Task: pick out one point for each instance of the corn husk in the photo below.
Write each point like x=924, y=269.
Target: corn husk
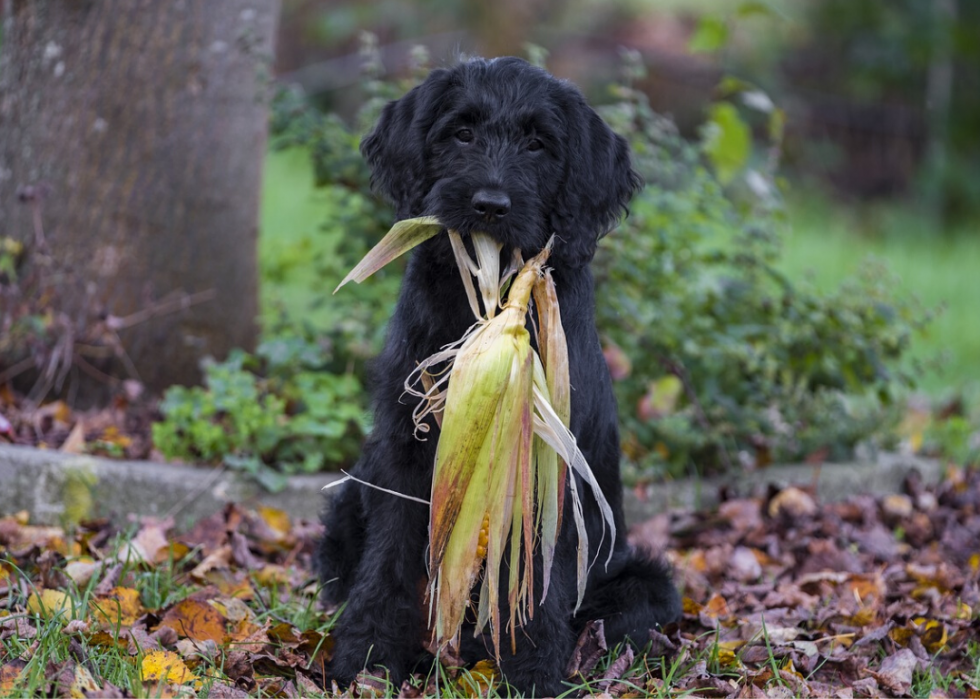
x=504, y=447
x=402, y=237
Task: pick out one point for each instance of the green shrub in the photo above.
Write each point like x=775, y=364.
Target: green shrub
x=723, y=359
x=720, y=361
x=269, y=415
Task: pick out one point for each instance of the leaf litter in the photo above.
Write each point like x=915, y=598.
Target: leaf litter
x=866, y=597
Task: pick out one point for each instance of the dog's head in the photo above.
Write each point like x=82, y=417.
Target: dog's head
x=503, y=147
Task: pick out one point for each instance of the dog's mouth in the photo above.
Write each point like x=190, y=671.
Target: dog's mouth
x=506, y=217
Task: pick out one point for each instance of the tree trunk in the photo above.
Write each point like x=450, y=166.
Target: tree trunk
x=143, y=123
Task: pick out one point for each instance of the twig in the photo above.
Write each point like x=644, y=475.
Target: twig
x=92, y=370
x=196, y=493
x=160, y=308
x=16, y=370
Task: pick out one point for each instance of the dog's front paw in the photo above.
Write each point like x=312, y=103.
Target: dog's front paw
x=343, y=670
x=371, y=666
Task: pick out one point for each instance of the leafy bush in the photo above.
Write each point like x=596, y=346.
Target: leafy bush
x=353, y=322
x=275, y=413
x=720, y=358
x=720, y=361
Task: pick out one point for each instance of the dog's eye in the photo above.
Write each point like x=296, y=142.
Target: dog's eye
x=535, y=144
x=464, y=136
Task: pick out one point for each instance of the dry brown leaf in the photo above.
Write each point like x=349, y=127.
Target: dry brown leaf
x=150, y=544
x=744, y=566
x=139, y=640
x=589, y=648
x=223, y=690
x=218, y=559
x=10, y=674
x=120, y=608
x=17, y=627
x=76, y=626
x=277, y=520
x=285, y=634
x=75, y=443
x=196, y=620
x=105, y=639
x=238, y=665
x=239, y=624
x=792, y=502
x=272, y=575
x=82, y=571
x=716, y=608
x=318, y=647
x=231, y=583
x=895, y=673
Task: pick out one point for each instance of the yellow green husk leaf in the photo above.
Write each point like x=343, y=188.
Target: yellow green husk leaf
x=402, y=237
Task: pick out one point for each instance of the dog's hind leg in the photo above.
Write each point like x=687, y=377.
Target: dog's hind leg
x=639, y=597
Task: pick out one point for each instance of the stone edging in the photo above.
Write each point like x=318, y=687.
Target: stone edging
x=45, y=483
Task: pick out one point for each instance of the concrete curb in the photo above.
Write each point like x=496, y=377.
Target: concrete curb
x=53, y=486
x=834, y=482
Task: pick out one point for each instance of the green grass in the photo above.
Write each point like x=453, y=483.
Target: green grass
x=291, y=235
x=940, y=268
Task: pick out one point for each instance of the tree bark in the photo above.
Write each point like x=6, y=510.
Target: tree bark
x=144, y=124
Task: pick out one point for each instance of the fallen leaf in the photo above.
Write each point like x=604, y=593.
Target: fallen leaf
x=195, y=620
x=76, y=626
x=150, y=544
x=120, y=608
x=272, y=575
x=743, y=565
x=480, y=680
x=617, y=668
x=277, y=520
x=50, y=604
x=75, y=443
x=189, y=649
x=83, y=684
x=139, y=639
x=222, y=690
x=589, y=648
x=10, y=674
x=218, y=559
x=18, y=627
x=792, y=502
x=895, y=673
x=231, y=583
x=166, y=666
x=82, y=571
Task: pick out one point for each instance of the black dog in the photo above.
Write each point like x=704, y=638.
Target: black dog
x=502, y=147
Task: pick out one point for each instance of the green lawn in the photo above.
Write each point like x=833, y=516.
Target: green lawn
x=941, y=269
x=824, y=239
x=292, y=238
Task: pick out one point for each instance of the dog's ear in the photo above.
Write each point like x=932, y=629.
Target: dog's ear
x=395, y=147
x=599, y=183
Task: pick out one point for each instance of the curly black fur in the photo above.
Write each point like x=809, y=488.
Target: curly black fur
x=502, y=147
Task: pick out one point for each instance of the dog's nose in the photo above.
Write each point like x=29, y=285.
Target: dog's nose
x=491, y=204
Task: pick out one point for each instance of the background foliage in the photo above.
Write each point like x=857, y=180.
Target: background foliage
x=720, y=360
